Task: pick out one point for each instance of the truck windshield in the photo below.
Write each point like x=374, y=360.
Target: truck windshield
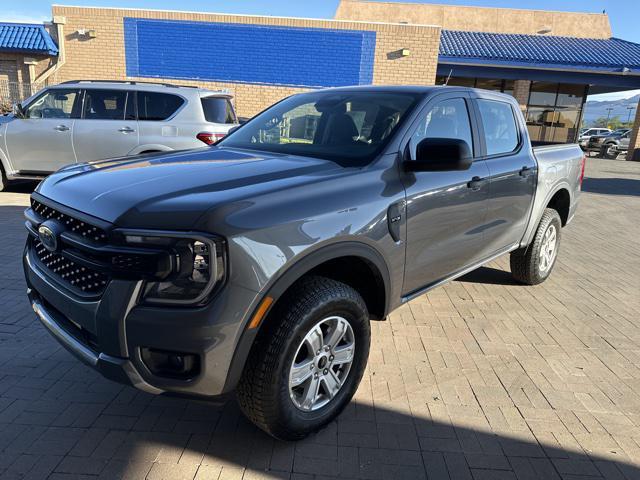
x=350, y=128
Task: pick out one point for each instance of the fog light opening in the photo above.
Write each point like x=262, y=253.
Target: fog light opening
x=165, y=363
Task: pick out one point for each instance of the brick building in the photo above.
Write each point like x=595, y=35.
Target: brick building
x=549, y=61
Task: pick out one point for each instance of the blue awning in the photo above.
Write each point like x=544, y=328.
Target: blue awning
x=611, y=55
x=27, y=38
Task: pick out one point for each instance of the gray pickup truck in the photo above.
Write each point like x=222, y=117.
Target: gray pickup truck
x=257, y=264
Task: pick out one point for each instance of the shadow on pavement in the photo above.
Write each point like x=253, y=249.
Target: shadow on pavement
x=489, y=275
x=612, y=186
x=193, y=438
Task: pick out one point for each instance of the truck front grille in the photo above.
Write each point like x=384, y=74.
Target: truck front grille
x=79, y=227
x=75, y=276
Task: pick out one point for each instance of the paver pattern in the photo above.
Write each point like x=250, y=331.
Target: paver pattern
x=482, y=379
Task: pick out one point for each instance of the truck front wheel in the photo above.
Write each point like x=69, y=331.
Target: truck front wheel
x=533, y=264
x=308, y=359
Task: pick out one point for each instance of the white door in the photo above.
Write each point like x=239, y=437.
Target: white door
x=108, y=127
x=41, y=141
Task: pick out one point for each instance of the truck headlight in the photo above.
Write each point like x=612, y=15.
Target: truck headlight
x=198, y=267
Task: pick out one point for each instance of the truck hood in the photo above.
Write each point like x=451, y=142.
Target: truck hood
x=172, y=191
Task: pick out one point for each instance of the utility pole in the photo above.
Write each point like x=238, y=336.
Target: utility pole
x=608, y=115
x=630, y=108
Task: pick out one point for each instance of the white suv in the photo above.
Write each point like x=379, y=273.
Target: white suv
x=82, y=121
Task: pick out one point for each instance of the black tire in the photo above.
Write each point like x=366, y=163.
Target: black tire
x=3, y=179
x=526, y=264
x=263, y=392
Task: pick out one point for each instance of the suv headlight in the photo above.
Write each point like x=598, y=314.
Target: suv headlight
x=198, y=266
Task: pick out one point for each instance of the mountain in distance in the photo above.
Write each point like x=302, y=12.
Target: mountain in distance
x=594, y=110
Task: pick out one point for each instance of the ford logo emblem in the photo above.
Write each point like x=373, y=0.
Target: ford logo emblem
x=48, y=237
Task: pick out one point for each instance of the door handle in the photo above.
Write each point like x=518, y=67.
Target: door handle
x=61, y=128
x=525, y=171
x=126, y=130
x=476, y=183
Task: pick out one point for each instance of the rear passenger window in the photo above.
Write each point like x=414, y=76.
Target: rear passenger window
x=218, y=110
x=104, y=104
x=500, y=131
x=447, y=119
x=157, y=106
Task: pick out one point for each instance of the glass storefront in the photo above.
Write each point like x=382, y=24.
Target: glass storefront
x=553, y=111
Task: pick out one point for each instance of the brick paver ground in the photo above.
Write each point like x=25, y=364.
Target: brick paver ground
x=480, y=379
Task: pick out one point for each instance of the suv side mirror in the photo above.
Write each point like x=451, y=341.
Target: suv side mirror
x=242, y=120
x=18, y=110
x=440, y=155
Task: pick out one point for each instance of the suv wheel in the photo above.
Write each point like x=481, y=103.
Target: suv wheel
x=3, y=179
x=533, y=264
x=308, y=360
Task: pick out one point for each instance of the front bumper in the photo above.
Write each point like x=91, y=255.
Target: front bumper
x=109, y=332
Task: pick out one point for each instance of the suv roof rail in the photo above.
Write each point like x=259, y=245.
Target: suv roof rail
x=128, y=82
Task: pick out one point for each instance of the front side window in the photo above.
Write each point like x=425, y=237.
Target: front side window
x=500, y=130
x=157, y=106
x=447, y=119
x=347, y=127
x=218, y=110
x=104, y=104
x=56, y=103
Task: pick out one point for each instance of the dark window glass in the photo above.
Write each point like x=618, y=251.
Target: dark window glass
x=543, y=93
x=55, y=103
x=447, y=119
x=218, y=110
x=157, y=106
x=570, y=95
x=349, y=128
x=104, y=104
x=130, y=109
x=500, y=130
x=489, y=84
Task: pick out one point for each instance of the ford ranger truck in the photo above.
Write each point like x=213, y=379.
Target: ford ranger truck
x=257, y=264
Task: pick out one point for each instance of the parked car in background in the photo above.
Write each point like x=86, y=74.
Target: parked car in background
x=96, y=120
x=605, y=144
x=583, y=139
x=623, y=145
x=259, y=263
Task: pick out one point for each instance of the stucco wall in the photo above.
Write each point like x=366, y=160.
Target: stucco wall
x=104, y=57
x=479, y=19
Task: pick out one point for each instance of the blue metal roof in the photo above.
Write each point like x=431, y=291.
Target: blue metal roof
x=568, y=53
x=26, y=37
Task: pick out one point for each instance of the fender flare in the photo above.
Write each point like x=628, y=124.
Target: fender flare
x=153, y=146
x=531, y=228
x=276, y=288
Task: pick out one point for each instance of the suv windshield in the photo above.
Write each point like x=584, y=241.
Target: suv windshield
x=349, y=128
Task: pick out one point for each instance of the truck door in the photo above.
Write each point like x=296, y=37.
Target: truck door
x=445, y=210
x=512, y=169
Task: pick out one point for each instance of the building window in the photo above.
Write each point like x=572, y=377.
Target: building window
x=505, y=86
x=554, y=111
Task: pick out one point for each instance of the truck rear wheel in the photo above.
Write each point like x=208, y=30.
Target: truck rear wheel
x=533, y=264
x=308, y=360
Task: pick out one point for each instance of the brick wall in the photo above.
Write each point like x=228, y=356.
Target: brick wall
x=479, y=19
x=103, y=57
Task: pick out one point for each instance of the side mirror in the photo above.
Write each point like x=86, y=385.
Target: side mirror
x=18, y=110
x=242, y=120
x=233, y=129
x=440, y=155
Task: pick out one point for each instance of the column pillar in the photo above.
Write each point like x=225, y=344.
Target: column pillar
x=634, y=139
x=521, y=93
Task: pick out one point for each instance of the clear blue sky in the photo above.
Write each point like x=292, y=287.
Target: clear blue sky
x=623, y=14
